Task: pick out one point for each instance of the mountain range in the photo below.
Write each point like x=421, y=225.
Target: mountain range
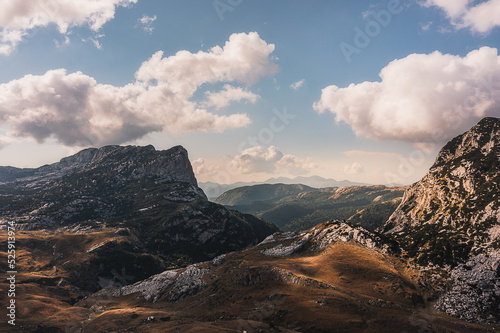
x=214, y=190
x=298, y=207
x=114, y=240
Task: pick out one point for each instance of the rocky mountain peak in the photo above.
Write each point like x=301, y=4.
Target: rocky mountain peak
x=96, y=183
x=461, y=190
x=483, y=138
x=131, y=161
x=123, y=163
x=450, y=221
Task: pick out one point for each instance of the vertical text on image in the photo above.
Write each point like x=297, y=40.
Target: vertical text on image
x=11, y=273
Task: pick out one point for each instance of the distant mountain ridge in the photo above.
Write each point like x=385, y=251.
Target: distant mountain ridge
x=248, y=195
x=214, y=190
x=314, y=181
x=296, y=207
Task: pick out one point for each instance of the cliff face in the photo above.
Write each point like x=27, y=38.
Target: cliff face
x=451, y=219
x=95, y=184
x=149, y=197
x=125, y=163
x=462, y=187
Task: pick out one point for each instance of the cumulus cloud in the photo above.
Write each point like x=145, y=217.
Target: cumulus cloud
x=270, y=160
x=295, y=165
x=257, y=159
x=297, y=85
x=229, y=94
x=354, y=169
x=76, y=110
x=244, y=58
x=18, y=17
x=480, y=17
x=201, y=167
x=420, y=98
x=147, y=23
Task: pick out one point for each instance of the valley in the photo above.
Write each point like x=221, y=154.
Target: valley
x=299, y=207
x=122, y=239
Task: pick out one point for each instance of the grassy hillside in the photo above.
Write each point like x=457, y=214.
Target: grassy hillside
x=260, y=194
x=345, y=287
x=299, y=207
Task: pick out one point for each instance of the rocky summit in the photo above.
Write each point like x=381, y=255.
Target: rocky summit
x=450, y=220
x=127, y=211
x=95, y=184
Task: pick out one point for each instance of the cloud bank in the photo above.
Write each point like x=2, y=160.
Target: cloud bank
x=420, y=98
x=270, y=160
x=75, y=110
x=18, y=17
x=481, y=17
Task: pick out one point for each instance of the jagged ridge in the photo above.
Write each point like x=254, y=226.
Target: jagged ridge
x=451, y=219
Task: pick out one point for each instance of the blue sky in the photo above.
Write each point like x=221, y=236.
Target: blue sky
x=294, y=90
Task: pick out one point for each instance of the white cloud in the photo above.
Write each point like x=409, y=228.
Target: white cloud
x=229, y=94
x=425, y=147
x=201, y=167
x=295, y=165
x=481, y=17
x=453, y=8
x=354, y=169
x=59, y=44
x=76, y=110
x=425, y=26
x=147, y=23
x=270, y=160
x=4, y=141
x=244, y=58
x=18, y=17
x=420, y=98
x=257, y=159
x=297, y=85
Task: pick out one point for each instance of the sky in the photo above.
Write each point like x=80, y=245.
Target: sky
x=367, y=91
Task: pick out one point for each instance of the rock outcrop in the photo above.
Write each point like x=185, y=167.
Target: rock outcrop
x=95, y=184
x=323, y=235
x=451, y=219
